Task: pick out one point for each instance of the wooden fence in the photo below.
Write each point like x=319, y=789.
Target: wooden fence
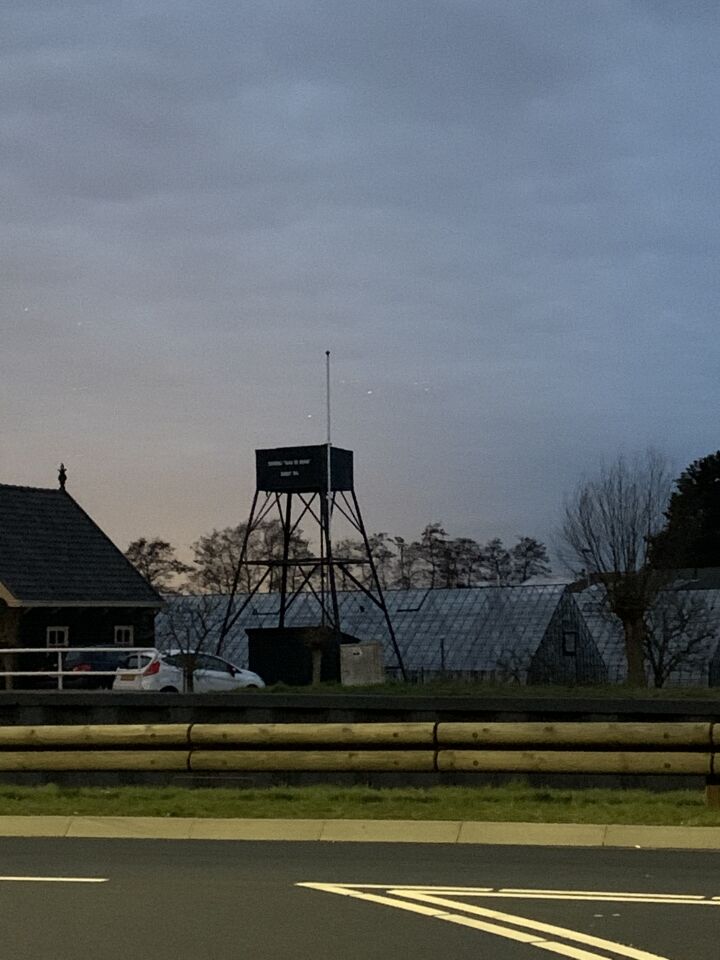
x=547, y=748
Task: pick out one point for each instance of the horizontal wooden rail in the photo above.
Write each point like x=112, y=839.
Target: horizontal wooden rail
x=480, y=761
x=277, y=760
x=571, y=761
x=94, y=760
x=467, y=736
x=486, y=736
x=96, y=735
x=332, y=734
x=595, y=734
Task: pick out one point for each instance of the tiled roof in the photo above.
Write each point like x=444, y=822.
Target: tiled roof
x=436, y=630
x=52, y=552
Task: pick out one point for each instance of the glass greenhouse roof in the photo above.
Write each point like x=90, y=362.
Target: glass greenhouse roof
x=436, y=630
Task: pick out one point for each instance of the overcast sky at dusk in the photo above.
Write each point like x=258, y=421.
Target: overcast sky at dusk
x=501, y=218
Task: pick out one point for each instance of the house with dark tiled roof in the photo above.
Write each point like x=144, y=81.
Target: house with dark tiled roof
x=62, y=580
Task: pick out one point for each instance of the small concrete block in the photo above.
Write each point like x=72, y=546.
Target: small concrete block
x=533, y=834
x=391, y=831
x=238, y=829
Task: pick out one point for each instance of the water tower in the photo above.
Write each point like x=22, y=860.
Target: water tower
x=307, y=485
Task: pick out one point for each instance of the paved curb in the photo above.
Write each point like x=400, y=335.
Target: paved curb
x=366, y=831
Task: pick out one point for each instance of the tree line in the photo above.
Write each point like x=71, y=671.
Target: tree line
x=434, y=560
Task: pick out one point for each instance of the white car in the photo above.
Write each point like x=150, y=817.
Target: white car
x=152, y=670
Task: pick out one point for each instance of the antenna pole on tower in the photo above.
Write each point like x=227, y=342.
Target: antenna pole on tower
x=328, y=500
x=329, y=435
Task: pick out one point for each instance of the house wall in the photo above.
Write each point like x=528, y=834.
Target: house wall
x=9, y=625
x=554, y=662
x=9, y=630
x=88, y=626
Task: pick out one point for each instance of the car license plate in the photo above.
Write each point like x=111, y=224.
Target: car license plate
x=126, y=676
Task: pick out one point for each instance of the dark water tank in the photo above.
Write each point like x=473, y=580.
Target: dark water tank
x=302, y=469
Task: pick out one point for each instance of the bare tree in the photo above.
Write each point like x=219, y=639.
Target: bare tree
x=680, y=628
x=436, y=561
x=217, y=555
x=352, y=550
x=468, y=560
x=355, y=551
x=407, y=574
x=155, y=559
x=186, y=623
x=431, y=548
x=216, y=558
x=383, y=557
x=607, y=526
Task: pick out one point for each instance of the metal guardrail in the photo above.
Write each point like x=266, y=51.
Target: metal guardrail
x=59, y=653
x=571, y=748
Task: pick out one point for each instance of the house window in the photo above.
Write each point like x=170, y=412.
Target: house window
x=124, y=636
x=57, y=636
x=569, y=642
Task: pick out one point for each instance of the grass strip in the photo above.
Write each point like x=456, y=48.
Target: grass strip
x=513, y=802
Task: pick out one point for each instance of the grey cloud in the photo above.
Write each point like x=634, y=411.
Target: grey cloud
x=501, y=217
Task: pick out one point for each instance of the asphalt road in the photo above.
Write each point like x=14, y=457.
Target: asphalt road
x=174, y=900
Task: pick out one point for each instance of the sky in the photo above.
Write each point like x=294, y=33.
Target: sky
x=500, y=217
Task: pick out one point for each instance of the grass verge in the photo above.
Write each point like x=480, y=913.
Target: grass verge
x=514, y=802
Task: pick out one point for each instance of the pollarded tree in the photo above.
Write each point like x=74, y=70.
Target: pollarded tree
x=691, y=536
x=155, y=559
x=608, y=524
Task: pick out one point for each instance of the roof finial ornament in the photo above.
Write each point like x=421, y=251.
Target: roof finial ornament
x=62, y=476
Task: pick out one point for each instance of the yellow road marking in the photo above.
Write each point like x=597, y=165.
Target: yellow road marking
x=502, y=894
x=575, y=935
x=55, y=879
x=607, y=895
x=419, y=900
x=521, y=893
